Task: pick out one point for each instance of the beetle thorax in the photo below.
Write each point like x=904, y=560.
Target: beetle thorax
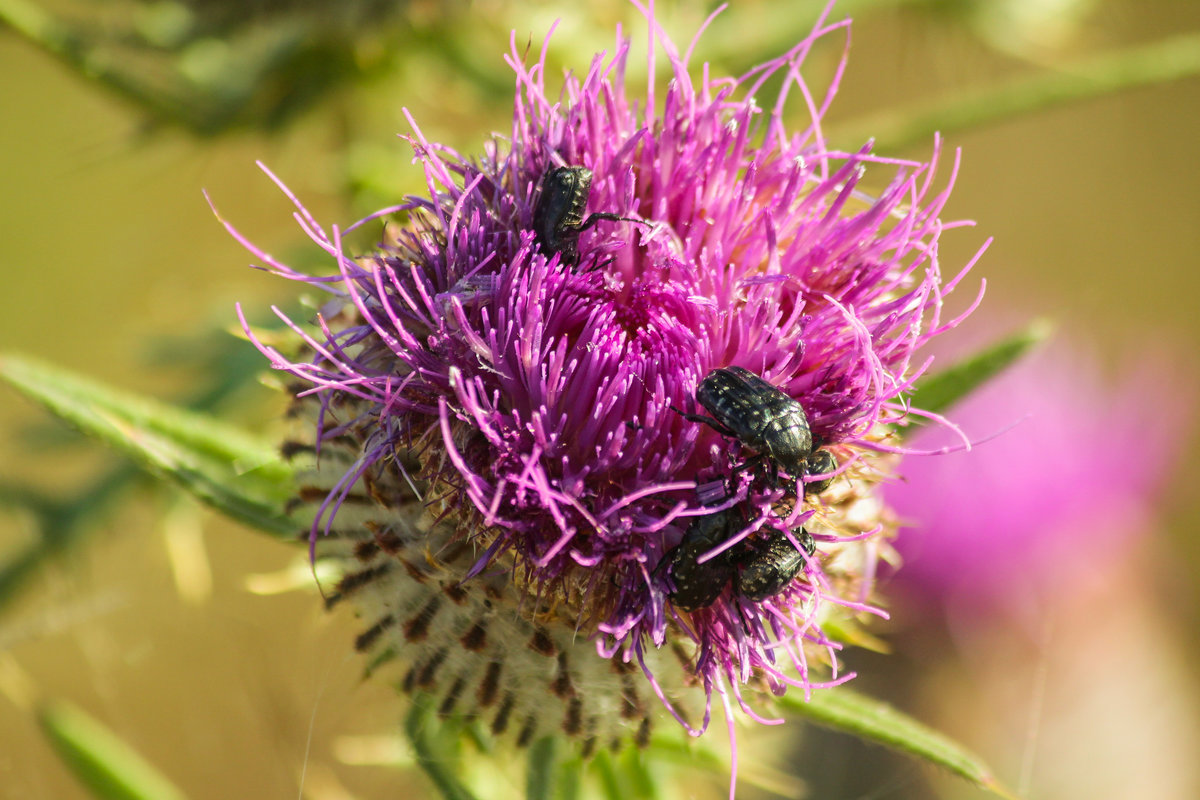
x=788, y=441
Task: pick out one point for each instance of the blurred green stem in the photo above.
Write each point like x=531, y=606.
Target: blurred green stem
x=1159, y=62
x=422, y=727
x=540, y=778
x=606, y=774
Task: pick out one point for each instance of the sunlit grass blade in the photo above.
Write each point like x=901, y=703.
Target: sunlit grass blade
x=221, y=465
x=875, y=721
x=938, y=392
x=102, y=761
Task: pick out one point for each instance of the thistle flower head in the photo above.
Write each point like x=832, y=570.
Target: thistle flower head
x=502, y=397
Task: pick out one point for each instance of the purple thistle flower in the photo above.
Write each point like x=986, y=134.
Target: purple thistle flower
x=493, y=416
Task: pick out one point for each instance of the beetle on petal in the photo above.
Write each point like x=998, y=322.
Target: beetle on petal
x=699, y=584
x=765, y=420
x=558, y=216
x=770, y=571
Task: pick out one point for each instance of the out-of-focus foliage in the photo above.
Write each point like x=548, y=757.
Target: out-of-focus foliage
x=212, y=66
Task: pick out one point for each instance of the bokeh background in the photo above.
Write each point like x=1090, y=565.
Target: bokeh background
x=185, y=633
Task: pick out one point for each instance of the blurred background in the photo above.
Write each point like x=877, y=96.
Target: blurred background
x=1064, y=653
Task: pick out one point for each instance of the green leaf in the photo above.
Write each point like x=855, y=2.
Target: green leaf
x=106, y=765
x=698, y=755
x=1143, y=65
x=221, y=465
x=939, y=392
x=634, y=765
x=434, y=745
x=605, y=770
x=541, y=774
x=570, y=778
x=875, y=721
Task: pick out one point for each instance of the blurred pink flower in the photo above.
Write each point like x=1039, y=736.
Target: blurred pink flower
x=1059, y=498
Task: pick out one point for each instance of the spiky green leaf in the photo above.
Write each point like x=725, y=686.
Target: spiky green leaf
x=875, y=721
x=938, y=392
x=101, y=760
x=220, y=464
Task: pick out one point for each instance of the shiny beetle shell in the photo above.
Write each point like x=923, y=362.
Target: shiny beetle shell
x=760, y=416
x=558, y=214
x=821, y=462
x=699, y=584
x=770, y=571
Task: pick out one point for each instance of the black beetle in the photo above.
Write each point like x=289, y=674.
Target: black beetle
x=821, y=462
x=558, y=215
x=765, y=420
x=766, y=568
x=773, y=568
x=698, y=585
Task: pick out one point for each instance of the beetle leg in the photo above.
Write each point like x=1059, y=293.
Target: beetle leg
x=709, y=421
x=736, y=472
x=604, y=215
x=598, y=264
